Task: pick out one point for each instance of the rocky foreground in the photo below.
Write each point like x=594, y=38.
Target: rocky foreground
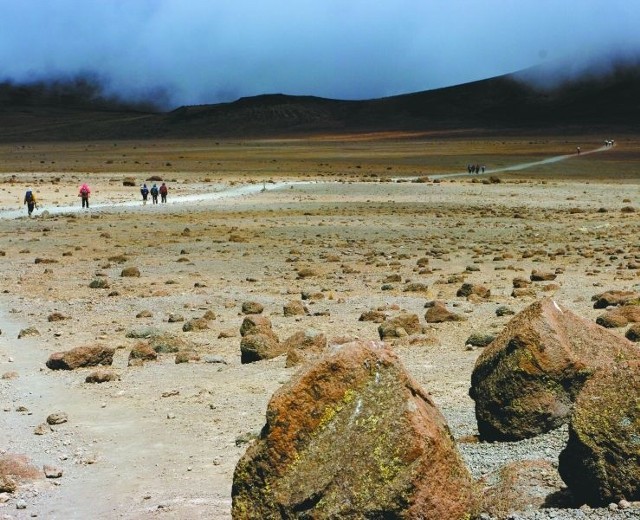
x=172, y=399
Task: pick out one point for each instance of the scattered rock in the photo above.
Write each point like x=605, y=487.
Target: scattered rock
x=503, y=310
x=438, y=313
x=399, y=326
x=175, y=318
x=87, y=356
x=294, y=308
x=600, y=462
x=99, y=283
x=542, y=276
x=141, y=352
x=614, y=298
x=57, y=418
x=195, y=324
x=374, y=316
x=619, y=316
x=468, y=289
x=42, y=429
x=252, y=308
x=130, y=272
x=187, y=356
x=29, y=331
x=101, y=376
x=304, y=346
x=52, y=471
x=353, y=436
x=633, y=333
x=144, y=314
x=525, y=382
x=57, y=316
x=479, y=339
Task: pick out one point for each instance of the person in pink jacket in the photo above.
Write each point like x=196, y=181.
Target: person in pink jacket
x=85, y=191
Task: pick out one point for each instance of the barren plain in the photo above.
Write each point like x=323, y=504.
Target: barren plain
x=326, y=220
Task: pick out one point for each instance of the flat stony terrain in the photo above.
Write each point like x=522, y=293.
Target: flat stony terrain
x=354, y=236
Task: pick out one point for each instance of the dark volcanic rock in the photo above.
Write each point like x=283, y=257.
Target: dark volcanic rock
x=81, y=357
x=141, y=352
x=353, y=437
x=601, y=462
x=525, y=382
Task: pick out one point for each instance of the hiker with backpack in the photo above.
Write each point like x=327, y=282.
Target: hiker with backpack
x=144, y=191
x=163, y=192
x=84, y=193
x=154, y=193
x=30, y=201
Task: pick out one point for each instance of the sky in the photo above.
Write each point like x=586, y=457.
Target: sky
x=186, y=52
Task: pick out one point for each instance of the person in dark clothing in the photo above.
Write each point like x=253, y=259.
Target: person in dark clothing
x=30, y=201
x=144, y=191
x=154, y=193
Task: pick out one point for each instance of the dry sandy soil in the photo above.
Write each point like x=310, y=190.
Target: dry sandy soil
x=164, y=440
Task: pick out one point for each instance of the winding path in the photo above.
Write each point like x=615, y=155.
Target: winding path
x=250, y=189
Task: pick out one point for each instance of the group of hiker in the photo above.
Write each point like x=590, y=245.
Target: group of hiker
x=85, y=192
x=154, y=192
x=475, y=168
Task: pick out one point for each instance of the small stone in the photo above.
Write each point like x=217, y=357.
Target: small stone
x=21, y=504
x=42, y=429
x=52, y=471
x=57, y=418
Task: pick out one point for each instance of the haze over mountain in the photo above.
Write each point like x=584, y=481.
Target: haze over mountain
x=80, y=110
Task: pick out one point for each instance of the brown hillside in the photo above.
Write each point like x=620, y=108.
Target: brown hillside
x=76, y=111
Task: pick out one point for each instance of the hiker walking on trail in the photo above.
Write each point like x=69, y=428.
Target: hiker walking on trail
x=84, y=193
x=30, y=201
x=163, y=192
x=154, y=193
x=144, y=191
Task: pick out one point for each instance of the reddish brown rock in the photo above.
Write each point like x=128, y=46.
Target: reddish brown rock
x=542, y=276
x=471, y=289
x=252, y=308
x=259, y=341
x=353, y=436
x=101, y=376
x=619, y=316
x=601, y=462
x=374, y=315
x=294, y=308
x=304, y=346
x=399, y=326
x=14, y=470
x=613, y=298
x=526, y=381
x=438, y=313
x=88, y=356
x=521, y=283
x=140, y=353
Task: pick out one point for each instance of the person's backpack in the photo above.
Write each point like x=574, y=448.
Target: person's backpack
x=84, y=192
x=28, y=196
x=154, y=191
x=163, y=189
x=144, y=191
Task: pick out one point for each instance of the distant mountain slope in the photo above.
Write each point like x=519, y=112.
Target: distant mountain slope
x=77, y=112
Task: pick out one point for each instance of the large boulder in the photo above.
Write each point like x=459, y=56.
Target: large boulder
x=525, y=382
x=88, y=356
x=353, y=436
x=601, y=462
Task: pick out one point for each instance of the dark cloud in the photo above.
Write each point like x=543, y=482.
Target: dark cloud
x=205, y=51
